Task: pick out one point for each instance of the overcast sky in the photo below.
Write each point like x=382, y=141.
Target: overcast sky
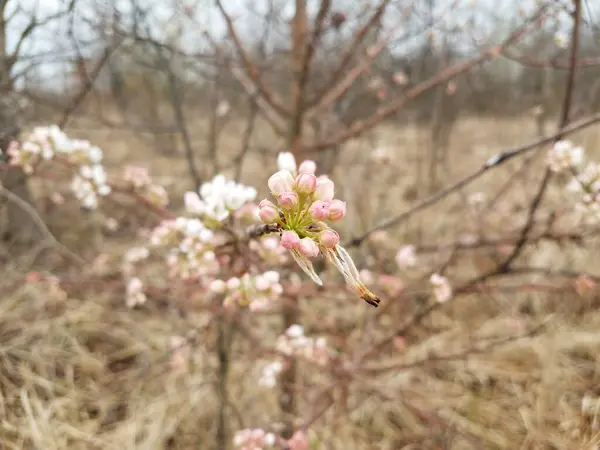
x=163, y=14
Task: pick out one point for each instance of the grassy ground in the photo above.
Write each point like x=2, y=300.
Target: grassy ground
x=79, y=370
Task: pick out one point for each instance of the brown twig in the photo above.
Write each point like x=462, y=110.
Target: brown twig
x=495, y=161
x=393, y=107
x=251, y=70
x=563, y=122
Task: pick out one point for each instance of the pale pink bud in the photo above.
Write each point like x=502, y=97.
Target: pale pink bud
x=337, y=210
x=306, y=183
x=308, y=247
x=320, y=210
x=286, y=161
x=392, y=285
x=325, y=190
x=268, y=212
x=329, y=238
x=379, y=236
x=400, y=343
x=281, y=182
x=290, y=240
x=583, y=284
x=308, y=166
x=288, y=199
x=298, y=441
x=406, y=256
x=266, y=202
x=193, y=204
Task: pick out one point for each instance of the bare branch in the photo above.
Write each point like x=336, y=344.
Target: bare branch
x=564, y=120
x=251, y=70
x=495, y=161
x=386, y=111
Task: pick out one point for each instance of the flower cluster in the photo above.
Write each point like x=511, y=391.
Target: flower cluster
x=294, y=343
x=564, y=156
x=254, y=439
x=138, y=179
x=46, y=143
x=218, y=199
x=270, y=373
x=303, y=203
x=269, y=250
x=190, y=245
x=256, y=292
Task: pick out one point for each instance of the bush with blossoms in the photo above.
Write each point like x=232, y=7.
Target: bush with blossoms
x=242, y=255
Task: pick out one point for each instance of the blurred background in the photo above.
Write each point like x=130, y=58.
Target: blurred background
x=396, y=101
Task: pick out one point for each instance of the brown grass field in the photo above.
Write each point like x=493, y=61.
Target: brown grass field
x=79, y=370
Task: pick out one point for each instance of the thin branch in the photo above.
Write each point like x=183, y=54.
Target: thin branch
x=180, y=120
x=495, y=161
x=550, y=64
x=89, y=80
x=37, y=220
x=564, y=120
x=356, y=43
x=360, y=127
x=251, y=70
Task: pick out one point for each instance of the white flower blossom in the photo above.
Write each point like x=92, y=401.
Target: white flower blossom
x=218, y=198
x=564, y=155
x=286, y=161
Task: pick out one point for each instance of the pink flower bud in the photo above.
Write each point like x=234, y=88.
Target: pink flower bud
x=308, y=166
x=337, y=210
x=320, y=210
x=288, y=199
x=280, y=182
x=306, y=183
x=298, y=441
x=308, y=247
x=290, y=240
x=268, y=212
x=266, y=202
x=329, y=238
x=325, y=190
x=406, y=257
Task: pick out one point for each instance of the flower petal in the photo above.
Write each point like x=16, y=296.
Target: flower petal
x=306, y=266
x=341, y=259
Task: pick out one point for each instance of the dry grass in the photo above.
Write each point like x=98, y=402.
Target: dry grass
x=82, y=371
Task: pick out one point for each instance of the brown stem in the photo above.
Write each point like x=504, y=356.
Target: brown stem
x=563, y=122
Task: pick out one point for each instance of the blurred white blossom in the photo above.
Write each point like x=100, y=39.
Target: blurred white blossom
x=218, y=198
x=564, y=155
x=441, y=288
